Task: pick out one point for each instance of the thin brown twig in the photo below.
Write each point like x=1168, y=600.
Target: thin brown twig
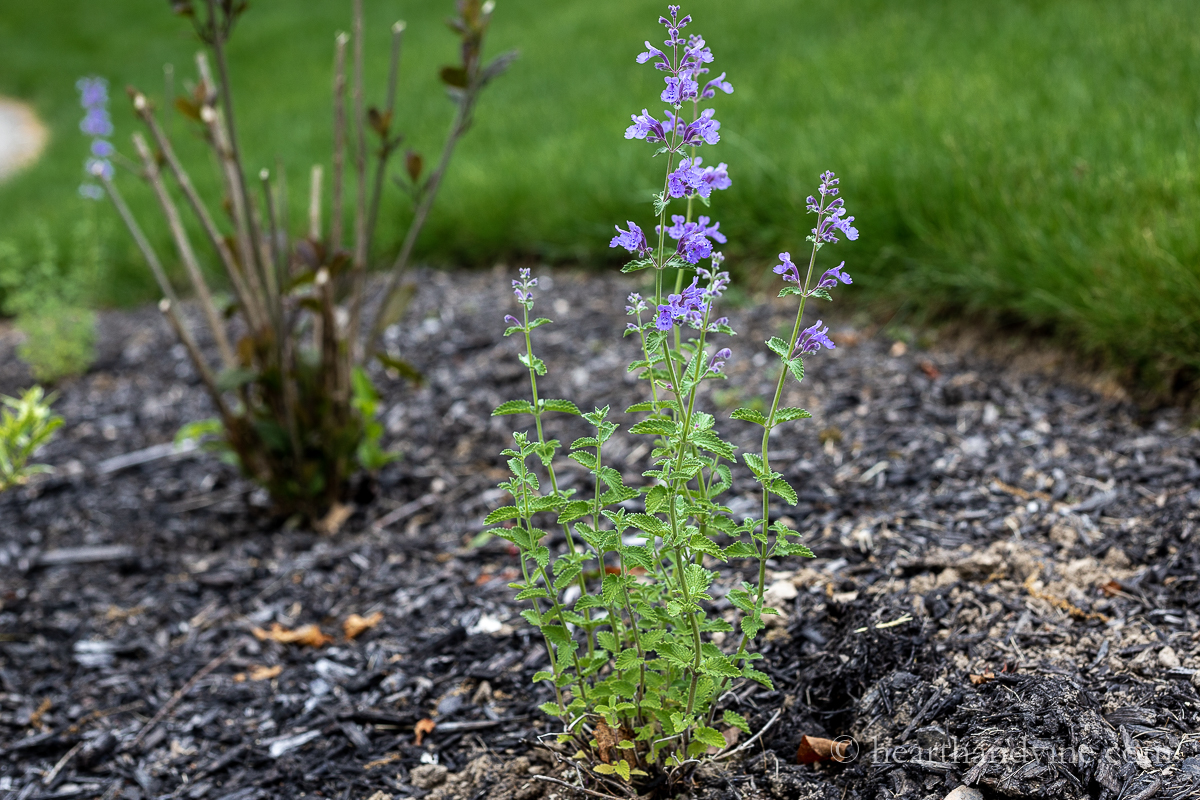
x=730, y=753
x=588, y=792
x=254, y=314
x=184, y=245
x=359, y=268
x=242, y=195
x=389, y=145
x=339, y=141
x=219, y=139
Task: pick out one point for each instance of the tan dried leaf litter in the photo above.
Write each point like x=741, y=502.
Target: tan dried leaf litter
x=306, y=634
x=355, y=625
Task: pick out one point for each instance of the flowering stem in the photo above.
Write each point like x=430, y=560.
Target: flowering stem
x=537, y=418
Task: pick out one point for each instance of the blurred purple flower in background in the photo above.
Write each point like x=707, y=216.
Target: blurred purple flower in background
x=93, y=97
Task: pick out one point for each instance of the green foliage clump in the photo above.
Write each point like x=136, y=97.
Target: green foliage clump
x=50, y=299
x=26, y=423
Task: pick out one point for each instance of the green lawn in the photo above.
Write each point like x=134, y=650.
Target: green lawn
x=1029, y=162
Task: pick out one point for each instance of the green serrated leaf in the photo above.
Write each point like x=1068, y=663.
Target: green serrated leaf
x=784, y=489
x=553, y=709
x=532, y=593
x=821, y=293
x=501, y=514
x=655, y=426
x=736, y=720
x=778, y=346
x=759, y=677
x=796, y=367
x=710, y=737
x=651, y=525
x=513, y=407
x=789, y=414
x=629, y=659
x=563, y=406
x=749, y=415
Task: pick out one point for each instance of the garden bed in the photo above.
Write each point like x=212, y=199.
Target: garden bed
x=970, y=518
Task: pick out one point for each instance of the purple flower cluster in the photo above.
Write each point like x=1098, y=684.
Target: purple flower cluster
x=685, y=63
x=93, y=96
x=717, y=364
x=831, y=217
x=702, y=130
x=689, y=178
x=632, y=240
x=688, y=307
x=831, y=277
x=693, y=237
x=522, y=287
x=787, y=269
x=813, y=339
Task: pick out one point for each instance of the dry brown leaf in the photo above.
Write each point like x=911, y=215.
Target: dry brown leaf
x=983, y=678
x=262, y=673
x=390, y=758
x=423, y=727
x=355, y=625
x=606, y=740
x=335, y=519
x=1111, y=588
x=813, y=749
x=306, y=634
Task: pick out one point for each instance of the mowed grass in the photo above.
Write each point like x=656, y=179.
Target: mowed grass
x=1013, y=162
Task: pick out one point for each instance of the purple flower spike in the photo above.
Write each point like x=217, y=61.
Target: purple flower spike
x=102, y=149
x=832, y=276
x=717, y=364
x=636, y=304
x=511, y=320
x=813, y=339
x=828, y=184
x=646, y=127
x=664, y=320
x=787, y=269
x=632, y=240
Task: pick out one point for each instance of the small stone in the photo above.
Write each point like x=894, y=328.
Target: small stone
x=965, y=793
x=898, y=349
x=427, y=776
x=1168, y=658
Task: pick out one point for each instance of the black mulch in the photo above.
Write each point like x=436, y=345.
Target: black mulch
x=969, y=518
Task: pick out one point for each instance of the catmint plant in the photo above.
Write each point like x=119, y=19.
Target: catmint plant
x=623, y=607
x=296, y=408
